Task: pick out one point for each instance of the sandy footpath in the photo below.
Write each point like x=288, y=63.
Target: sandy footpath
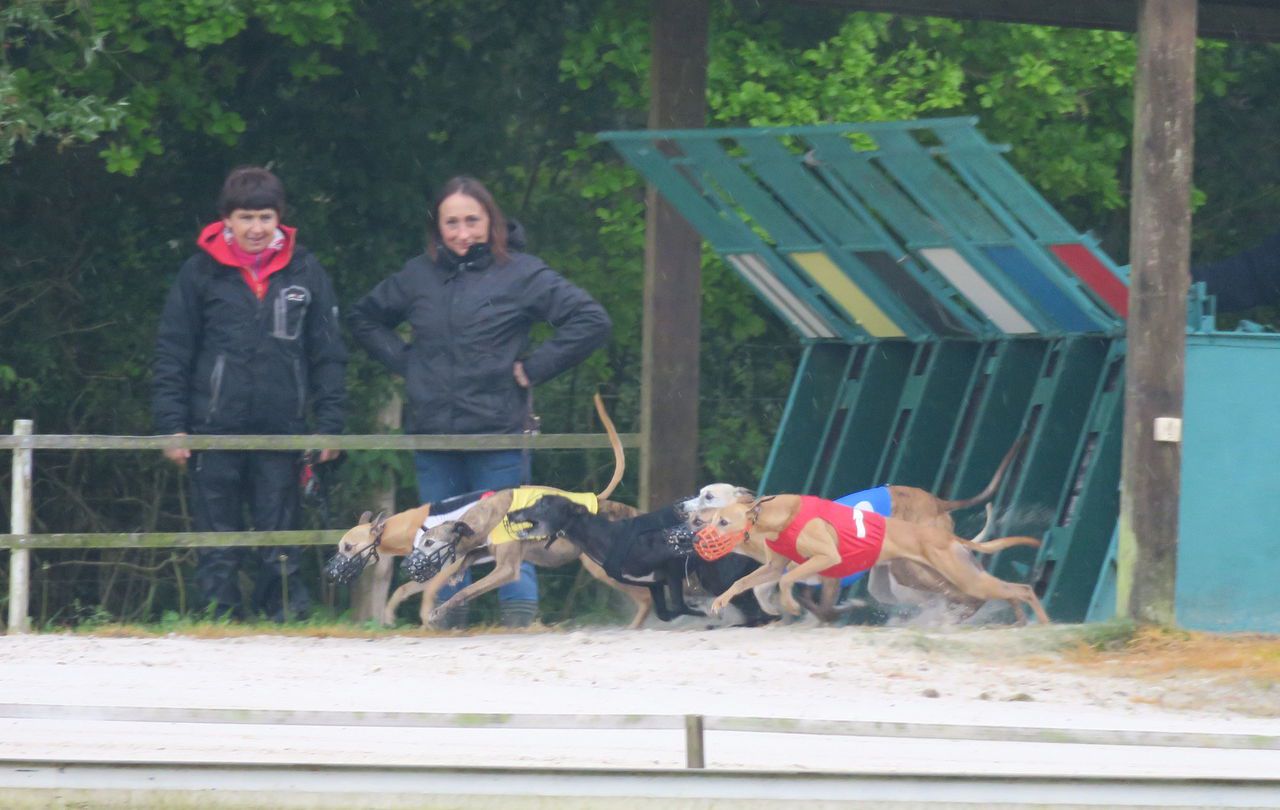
x=1003, y=676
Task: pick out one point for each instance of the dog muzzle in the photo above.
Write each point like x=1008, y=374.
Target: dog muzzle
x=680, y=539
x=422, y=565
x=712, y=544
x=344, y=570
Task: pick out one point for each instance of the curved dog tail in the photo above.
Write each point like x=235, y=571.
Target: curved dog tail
x=999, y=544
x=989, y=493
x=986, y=527
x=619, y=459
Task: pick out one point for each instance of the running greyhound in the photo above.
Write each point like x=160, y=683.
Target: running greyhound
x=911, y=504
x=403, y=533
x=831, y=540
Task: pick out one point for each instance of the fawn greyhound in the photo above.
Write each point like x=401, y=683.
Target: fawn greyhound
x=911, y=504
x=409, y=532
x=832, y=540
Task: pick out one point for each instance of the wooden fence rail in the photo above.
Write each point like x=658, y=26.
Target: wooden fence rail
x=694, y=725
x=20, y=541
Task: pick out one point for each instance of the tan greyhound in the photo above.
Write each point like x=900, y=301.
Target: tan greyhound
x=911, y=504
x=823, y=541
x=396, y=535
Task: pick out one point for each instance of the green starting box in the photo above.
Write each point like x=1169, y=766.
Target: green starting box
x=946, y=309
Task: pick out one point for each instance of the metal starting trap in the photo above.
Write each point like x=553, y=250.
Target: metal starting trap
x=945, y=309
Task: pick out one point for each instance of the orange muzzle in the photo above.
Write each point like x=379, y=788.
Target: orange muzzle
x=712, y=544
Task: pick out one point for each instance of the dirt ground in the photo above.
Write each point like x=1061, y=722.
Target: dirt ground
x=1034, y=677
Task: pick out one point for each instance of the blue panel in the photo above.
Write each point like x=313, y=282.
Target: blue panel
x=1102, y=607
x=1052, y=300
x=1229, y=518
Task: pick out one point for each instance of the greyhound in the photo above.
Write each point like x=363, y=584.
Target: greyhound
x=832, y=540
x=402, y=533
x=394, y=536
x=900, y=580
x=646, y=549
x=473, y=533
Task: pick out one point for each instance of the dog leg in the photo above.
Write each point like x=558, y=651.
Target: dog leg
x=402, y=593
x=432, y=586
x=641, y=596
x=675, y=585
x=506, y=568
x=772, y=571
x=945, y=553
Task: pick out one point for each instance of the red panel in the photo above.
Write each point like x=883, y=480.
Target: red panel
x=1095, y=274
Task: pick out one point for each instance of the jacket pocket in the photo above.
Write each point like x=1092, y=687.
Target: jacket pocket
x=289, y=311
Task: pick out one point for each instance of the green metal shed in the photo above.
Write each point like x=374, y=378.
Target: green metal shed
x=945, y=309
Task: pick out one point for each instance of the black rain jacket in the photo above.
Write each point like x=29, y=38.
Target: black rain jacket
x=470, y=323
x=228, y=363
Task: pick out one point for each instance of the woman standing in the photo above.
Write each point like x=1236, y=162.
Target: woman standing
x=470, y=301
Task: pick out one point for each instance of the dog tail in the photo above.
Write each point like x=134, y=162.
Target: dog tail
x=986, y=527
x=999, y=544
x=989, y=493
x=619, y=459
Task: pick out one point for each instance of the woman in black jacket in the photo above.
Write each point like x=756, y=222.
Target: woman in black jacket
x=471, y=300
x=249, y=343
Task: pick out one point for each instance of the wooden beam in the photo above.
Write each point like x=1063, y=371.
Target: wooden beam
x=1247, y=20
x=672, y=264
x=1160, y=247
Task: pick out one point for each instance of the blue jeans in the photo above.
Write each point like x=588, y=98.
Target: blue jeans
x=445, y=473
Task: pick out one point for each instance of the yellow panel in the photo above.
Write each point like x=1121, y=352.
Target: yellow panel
x=847, y=294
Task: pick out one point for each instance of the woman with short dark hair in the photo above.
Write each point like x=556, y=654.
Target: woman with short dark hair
x=249, y=343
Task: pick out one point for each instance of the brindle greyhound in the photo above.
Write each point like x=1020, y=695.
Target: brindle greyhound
x=469, y=538
x=820, y=547
x=911, y=504
x=395, y=535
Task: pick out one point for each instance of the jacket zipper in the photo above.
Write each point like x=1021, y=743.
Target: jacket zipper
x=297, y=383
x=215, y=384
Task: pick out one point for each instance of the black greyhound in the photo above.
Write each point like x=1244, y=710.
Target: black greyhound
x=645, y=550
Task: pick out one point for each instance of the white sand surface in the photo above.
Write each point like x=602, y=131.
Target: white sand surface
x=969, y=676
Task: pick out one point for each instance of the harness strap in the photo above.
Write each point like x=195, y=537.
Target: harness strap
x=753, y=513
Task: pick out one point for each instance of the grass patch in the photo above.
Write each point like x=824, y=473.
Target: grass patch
x=1161, y=651
x=1115, y=634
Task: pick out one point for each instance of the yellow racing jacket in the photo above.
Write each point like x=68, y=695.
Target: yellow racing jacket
x=505, y=532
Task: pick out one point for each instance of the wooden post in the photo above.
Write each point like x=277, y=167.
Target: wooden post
x=20, y=523
x=695, y=752
x=1164, y=123
x=369, y=591
x=672, y=265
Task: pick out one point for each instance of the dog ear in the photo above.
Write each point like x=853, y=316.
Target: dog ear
x=365, y=516
x=462, y=530
x=744, y=495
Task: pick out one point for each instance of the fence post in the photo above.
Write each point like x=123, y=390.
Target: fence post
x=20, y=523
x=694, y=753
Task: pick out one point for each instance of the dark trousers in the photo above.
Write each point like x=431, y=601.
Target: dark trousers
x=226, y=484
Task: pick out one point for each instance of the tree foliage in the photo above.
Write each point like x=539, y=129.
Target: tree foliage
x=119, y=118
